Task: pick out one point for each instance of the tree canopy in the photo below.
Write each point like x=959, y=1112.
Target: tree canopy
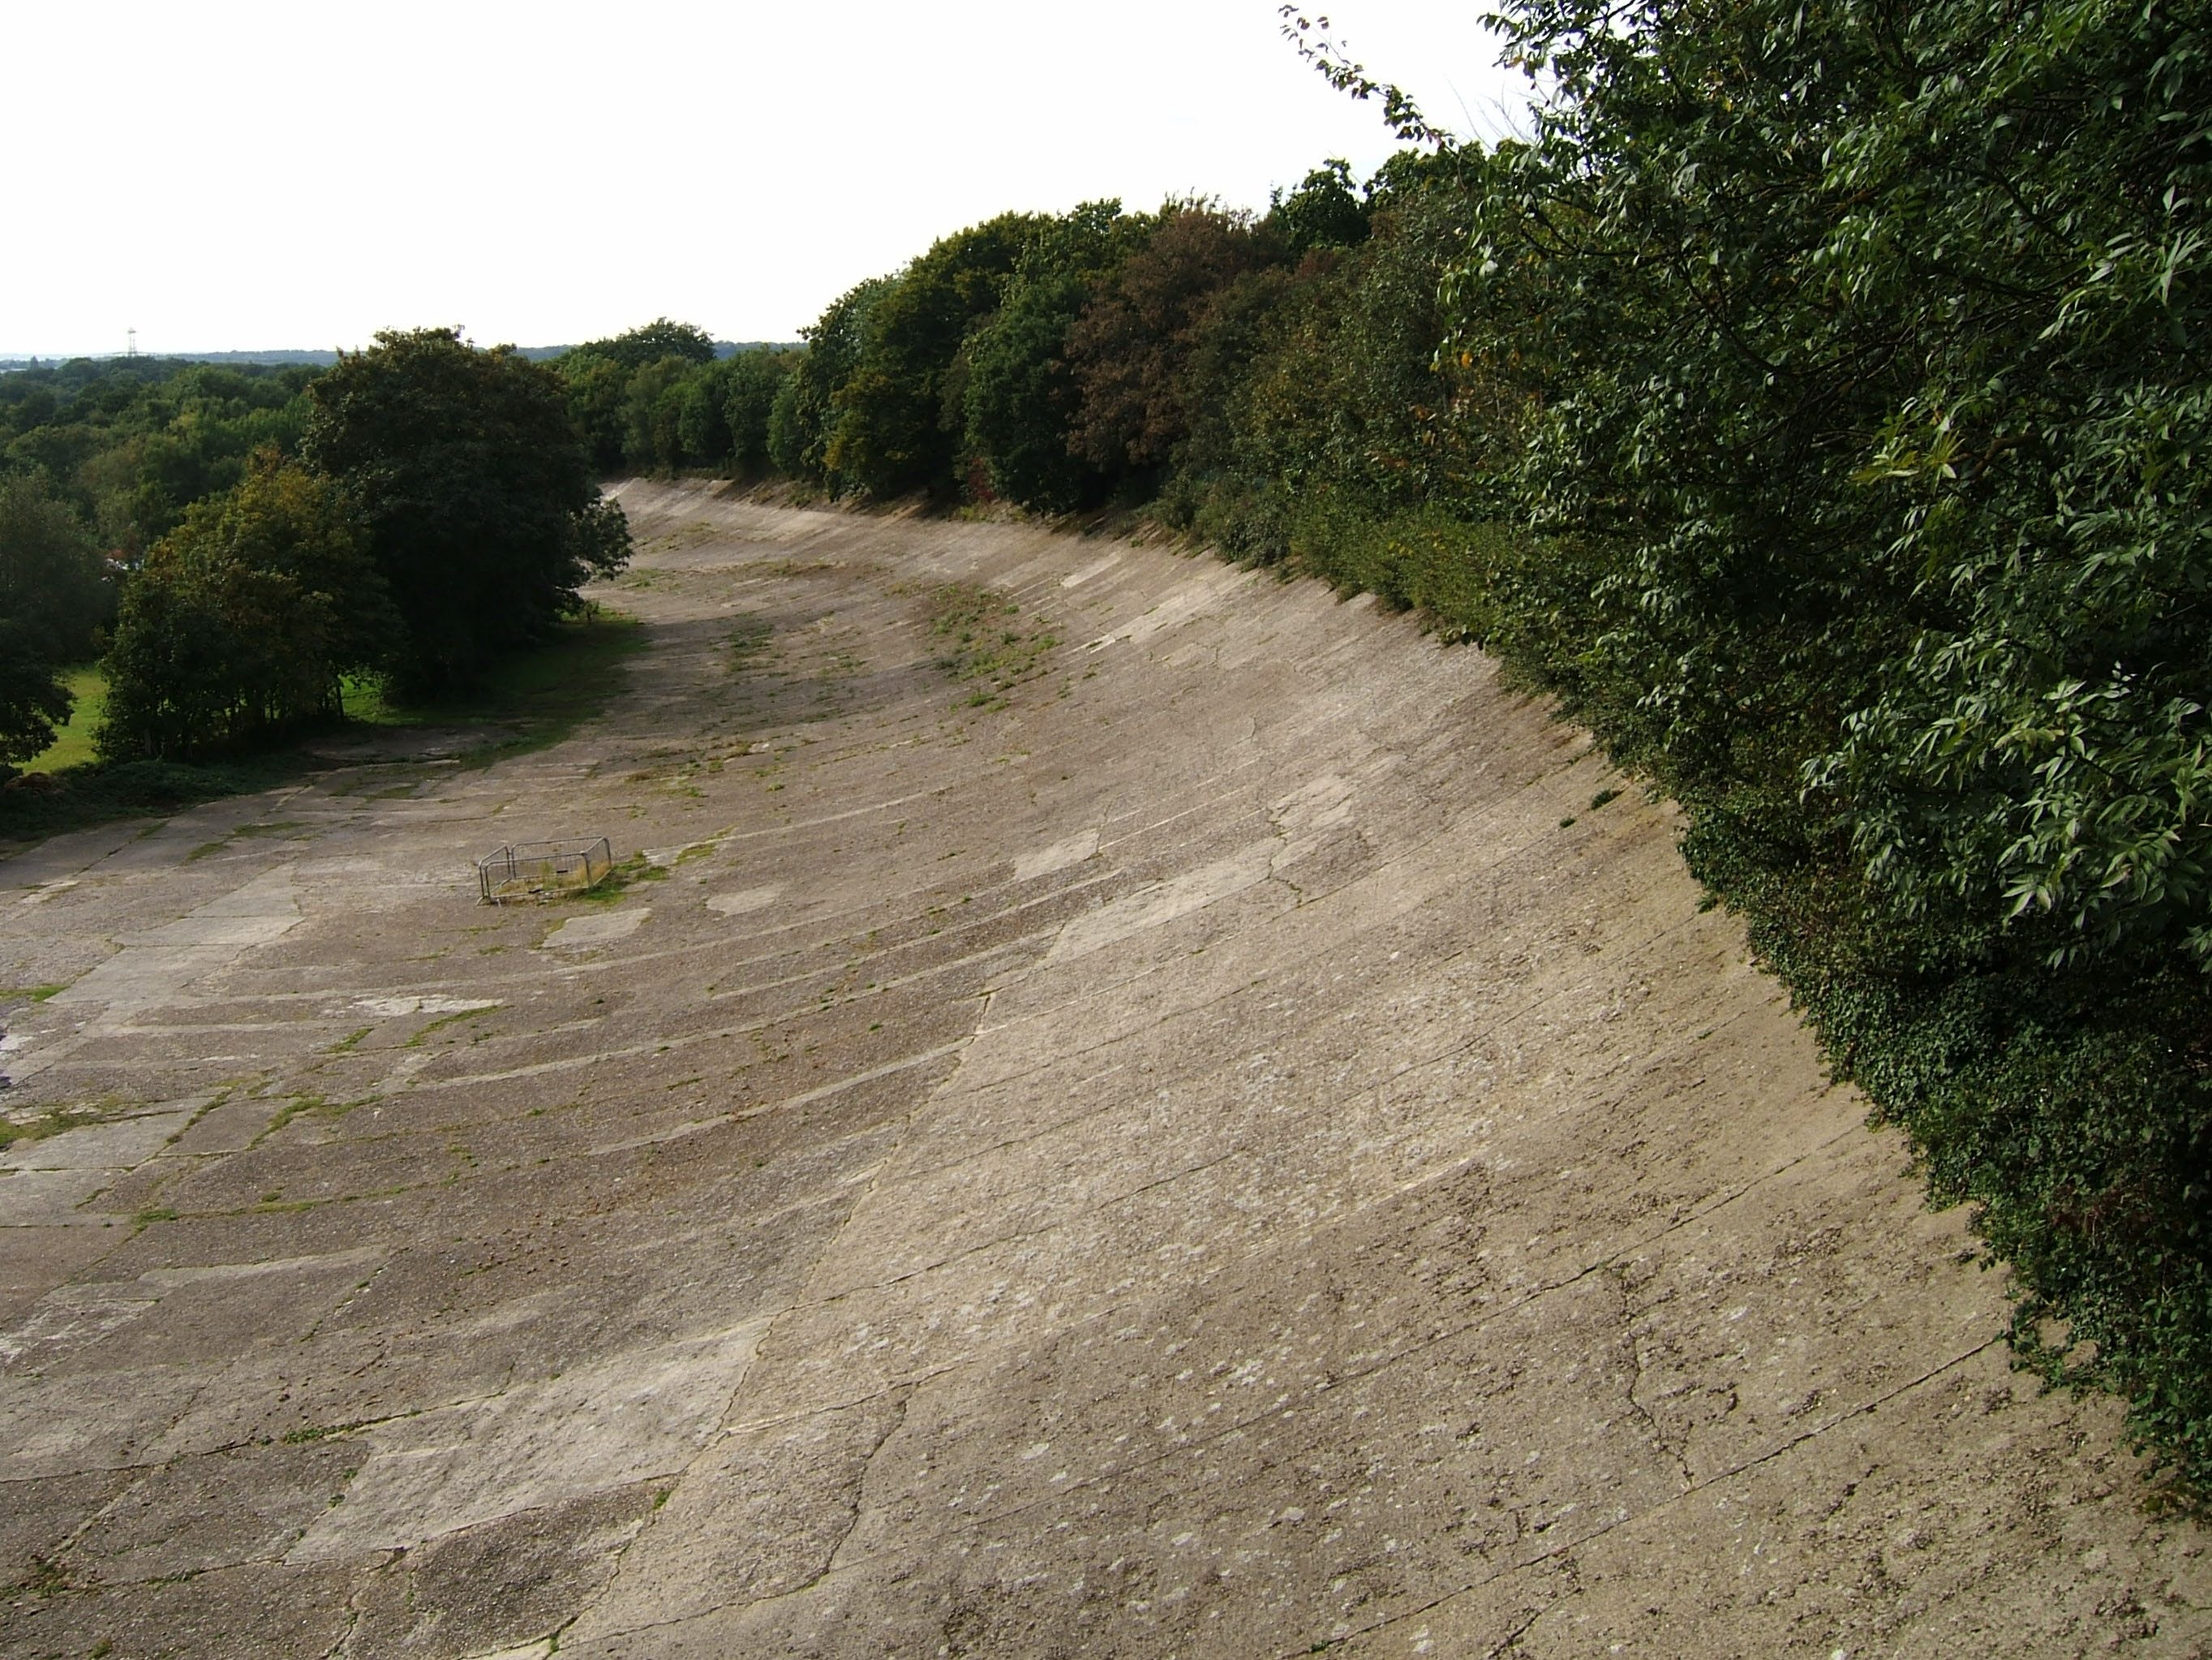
x=478, y=498
x=247, y=617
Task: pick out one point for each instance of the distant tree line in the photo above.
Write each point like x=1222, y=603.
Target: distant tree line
x=1055, y=360
x=659, y=400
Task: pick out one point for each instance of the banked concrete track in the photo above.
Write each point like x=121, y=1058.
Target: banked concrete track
x=1204, y=1160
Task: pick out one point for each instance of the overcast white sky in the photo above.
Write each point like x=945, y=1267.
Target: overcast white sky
x=232, y=175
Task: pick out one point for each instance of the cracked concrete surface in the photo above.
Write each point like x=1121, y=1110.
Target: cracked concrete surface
x=1201, y=1160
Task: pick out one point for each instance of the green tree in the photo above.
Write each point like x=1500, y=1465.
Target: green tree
x=1324, y=211
x=129, y=444
x=53, y=580
x=1021, y=397
x=1350, y=401
x=244, y=620
x=1132, y=346
x=619, y=426
x=598, y=390
x=482, y=512
x=33, y=700
x=750, y=384
x=652, y=415
x=804, y=420
x=702, y=430
x=899, y=419
x=170, y=672
x=658, y=339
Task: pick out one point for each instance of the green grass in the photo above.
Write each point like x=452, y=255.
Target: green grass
x=634, y=869
x=989, y=641
x=52, y=1122
x=750, y=636
x=540, y=695
x=530, y=701
x=72, y=745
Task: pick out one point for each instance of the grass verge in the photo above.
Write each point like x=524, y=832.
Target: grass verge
x=530, y=701
x=72, y=745
x=988, y=643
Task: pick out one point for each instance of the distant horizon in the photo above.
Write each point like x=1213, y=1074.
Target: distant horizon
x=13, y=360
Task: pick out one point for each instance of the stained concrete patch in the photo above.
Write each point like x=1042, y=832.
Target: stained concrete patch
x=762, y=1514
x=88, y=1420
x=597, y=1427
x=120, y=1144
x=53, y=1198
x=391, y=1008
x=1165, y=901
x=155, y=965
x=1076, y=578
x=744, y=901
x=588, y=932
x=241, y=1504
x=86, y=1314
x=71, y=1317
x=1070, y=850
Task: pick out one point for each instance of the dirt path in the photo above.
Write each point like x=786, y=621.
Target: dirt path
x=1231, y=1152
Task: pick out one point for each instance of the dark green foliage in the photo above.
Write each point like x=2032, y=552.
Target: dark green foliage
x=656, y=341
x=128, y=444
x=677, y=415
x=246, y=618
x=1318, y=393
x=1323, y=212
x=899, y=415
x=1351, y=399
x=598, y=407
x=1132, y=347
x=803, y=421
x=1902, y=398
x=654, y=406
x=703, y=431
x=750, y=383
x=1021, y=395
x=622, y=399
x=482, y=514
x=33, y=700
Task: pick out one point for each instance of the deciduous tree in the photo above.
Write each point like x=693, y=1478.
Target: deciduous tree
x=244, y=619
x=482, y=512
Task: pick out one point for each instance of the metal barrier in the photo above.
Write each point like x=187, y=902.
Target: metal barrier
x=543, y=870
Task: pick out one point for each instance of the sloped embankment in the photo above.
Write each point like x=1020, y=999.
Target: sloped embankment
x=1169, y=1120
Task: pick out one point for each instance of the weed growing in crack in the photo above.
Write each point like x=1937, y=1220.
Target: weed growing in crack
x=989, y=641
x=53, y=1122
